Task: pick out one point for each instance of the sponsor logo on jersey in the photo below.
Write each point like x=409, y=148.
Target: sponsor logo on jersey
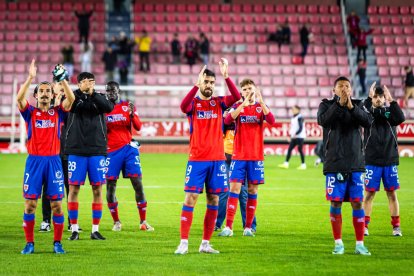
x=260, y=163
x=258, y=109
x=44, y=124
x=248, y=119
x=125, y=108
x=115, y=118
x=206, y=114
x=394, y=169
x=51, y=112
x=58, y=174
x=213, y=103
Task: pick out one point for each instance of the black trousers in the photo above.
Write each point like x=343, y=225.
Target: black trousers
x=293, y=143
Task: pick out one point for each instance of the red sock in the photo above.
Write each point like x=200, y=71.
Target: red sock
x=142, y=210
x=250, y=209
x=395, y=221
x=186, y=221
x=58, y=224
x=73, y=212
x=359, y=225
x=209, y=221
x=367, y=221
x=113, y=208
x=96, y=213
x=232, y=203
x=28, y=226
x=336, y=222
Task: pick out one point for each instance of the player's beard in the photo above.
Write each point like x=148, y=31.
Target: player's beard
x=207, y=92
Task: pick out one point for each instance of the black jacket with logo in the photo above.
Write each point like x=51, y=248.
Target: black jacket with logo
x=342, y=135
x=380, y=138
x=85, y=132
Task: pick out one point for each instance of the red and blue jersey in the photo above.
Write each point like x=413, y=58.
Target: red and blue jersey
x=206, y=129
x=248, y=140
x=43, y=129
x=119, y=124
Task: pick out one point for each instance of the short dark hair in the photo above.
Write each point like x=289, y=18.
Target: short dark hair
x=209, y=73
x=379, y=91
x=341, y=78
x=111, y=85
x=245, y=82
x=85, y=75
x=297, y=107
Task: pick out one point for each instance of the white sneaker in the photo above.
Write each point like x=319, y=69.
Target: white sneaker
x=44, y=227
x=144, y=226
x=205, y=247
x=302, y=167
x=317, y=162
x=285, y=165
x=366, y=232
x=226, y=232
x=248, y=232
x=397, y=232
x=117, y=226
x=182, y=248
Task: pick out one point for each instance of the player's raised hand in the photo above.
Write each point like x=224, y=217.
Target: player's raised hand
x=131, y=109
x=387, y=94
x=372, y=90
x=248, y=99
x=32, y=69
x=349, y=102
x=224, y=67
x=259, y=97
x=201, y=76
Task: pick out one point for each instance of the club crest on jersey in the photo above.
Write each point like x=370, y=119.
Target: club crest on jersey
x=329, y=190
x=187, y=178
x=248, y=119
x=51, y=112
x=125, y=108
x=258, y=109
x=25, y=187
x=206, y=114
x=366, y=182
x=58, y=174
x=213, y=103
x=44, y=124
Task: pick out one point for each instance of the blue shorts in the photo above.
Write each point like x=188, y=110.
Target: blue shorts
x=45, y=170
x=127, y=159
x=388, y=174
x=211, y=173
x=95, y=166
x=341, y=188
x=253, y=171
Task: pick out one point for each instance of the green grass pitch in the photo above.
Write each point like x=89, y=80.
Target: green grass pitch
x=294, y=232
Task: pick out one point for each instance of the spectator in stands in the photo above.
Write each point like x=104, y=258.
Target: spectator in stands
x=123, y=72
x=286, y=33
x=304, y=40
x=114, y=44
x=353, y=27
x=68, y=61
x=119, y=6
x=362, y=42
x=125, y=46
x=409, y=84
x=204, y=48
x=110, y=59
x=362, y=69
x=144, y=48
x=191, y=50
x=176, y=49
x=276, y=36
x=83, y=25
x=86, y=57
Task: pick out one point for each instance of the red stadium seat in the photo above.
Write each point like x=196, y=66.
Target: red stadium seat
x=372, y=10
